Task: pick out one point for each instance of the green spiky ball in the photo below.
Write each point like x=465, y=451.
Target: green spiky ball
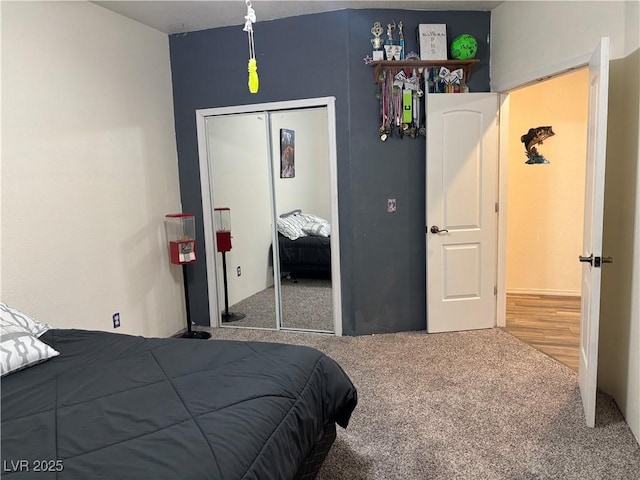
x=464, y=47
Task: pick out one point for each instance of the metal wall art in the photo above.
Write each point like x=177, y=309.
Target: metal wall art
x=534, y=137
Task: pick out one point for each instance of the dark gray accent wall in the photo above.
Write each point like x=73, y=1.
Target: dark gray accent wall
x=382, y=255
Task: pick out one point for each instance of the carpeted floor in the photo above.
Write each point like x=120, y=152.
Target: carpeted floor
x=306, y=305
x=466, y=405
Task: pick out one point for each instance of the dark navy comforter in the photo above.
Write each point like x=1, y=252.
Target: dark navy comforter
x=124, y=407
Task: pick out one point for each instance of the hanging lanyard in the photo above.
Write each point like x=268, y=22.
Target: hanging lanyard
x=250, y=19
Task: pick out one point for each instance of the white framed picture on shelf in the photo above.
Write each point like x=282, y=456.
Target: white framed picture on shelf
x=432, y=39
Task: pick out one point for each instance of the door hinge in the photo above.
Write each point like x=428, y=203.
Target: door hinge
x=495, y=290
x=497, y=207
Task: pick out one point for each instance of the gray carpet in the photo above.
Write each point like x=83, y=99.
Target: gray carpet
x=306, y=305
x=467, y=405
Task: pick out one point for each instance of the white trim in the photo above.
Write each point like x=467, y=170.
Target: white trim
x=267, y=107
x=541, y=291
x=336, y=282
x=503, y=175
x=244, y=327
x=543, y=74
x=307, y=330
x=274, y=225
x=207, y=203
x=210, y=247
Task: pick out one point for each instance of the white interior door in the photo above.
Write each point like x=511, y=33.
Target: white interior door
x=462, y=162
x=593, y=215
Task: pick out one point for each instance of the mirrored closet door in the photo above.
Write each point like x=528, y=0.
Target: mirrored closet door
x=273, y=171
x=240, y=172
x=300, y=151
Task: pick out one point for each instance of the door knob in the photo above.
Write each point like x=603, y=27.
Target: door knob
x=595, y=261
x=436, y=229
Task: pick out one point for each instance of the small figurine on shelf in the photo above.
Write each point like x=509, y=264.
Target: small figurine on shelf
x=390, y=28
x=391, y=47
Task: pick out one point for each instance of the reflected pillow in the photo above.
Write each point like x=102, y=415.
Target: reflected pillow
x=11, y=316
x=292, y=212
x=291, y=226
x=317, y=229
x=20, y=349
x=314, y=218
x=296, y=224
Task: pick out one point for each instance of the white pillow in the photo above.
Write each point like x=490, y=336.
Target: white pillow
x=11, y=316
x=20, y=349
x=316, y=229
x=296, y=224
x=291, y=226
x=314, y=218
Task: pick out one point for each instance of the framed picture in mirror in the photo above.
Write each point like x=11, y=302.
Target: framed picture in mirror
x=287, y=153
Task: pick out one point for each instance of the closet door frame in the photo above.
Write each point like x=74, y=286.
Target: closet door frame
x=206, y=186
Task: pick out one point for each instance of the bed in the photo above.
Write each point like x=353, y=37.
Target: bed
x=305, y=255
x=120, y=406
x=304, y=243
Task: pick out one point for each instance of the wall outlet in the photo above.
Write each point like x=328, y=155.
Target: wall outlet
x=116, y=320
x=239, y=271
x=391, y=205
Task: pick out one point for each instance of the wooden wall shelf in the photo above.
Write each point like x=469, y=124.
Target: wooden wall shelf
x=466, y=65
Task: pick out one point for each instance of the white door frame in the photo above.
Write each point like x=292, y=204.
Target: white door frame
x=206, y=186
x=503, y=175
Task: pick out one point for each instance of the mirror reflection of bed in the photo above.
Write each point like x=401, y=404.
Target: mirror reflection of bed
x=304, y=246
x=263, y=199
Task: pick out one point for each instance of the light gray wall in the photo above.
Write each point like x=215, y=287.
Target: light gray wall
x=572, y=29
x=89, y=169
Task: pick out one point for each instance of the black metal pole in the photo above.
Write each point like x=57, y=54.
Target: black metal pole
x=190, y=333
x=186, y=297
x=226, y=316
x=224, y=279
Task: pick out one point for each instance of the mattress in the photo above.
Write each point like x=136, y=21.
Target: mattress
x=120, y=406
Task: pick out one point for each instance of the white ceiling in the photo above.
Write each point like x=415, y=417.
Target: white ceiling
x=190, y=16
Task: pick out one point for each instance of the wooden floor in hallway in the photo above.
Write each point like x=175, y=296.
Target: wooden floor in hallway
x=548, y=323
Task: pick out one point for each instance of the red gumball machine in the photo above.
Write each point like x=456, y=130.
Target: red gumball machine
x=222, y=222
x=181, y=236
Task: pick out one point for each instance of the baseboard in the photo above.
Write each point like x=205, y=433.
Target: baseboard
x=533, y=291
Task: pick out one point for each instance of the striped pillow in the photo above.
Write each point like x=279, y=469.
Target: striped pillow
x=20, y=349
x=296, y=224
x=317, y=229
x=11, y=316
x=291, y=226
